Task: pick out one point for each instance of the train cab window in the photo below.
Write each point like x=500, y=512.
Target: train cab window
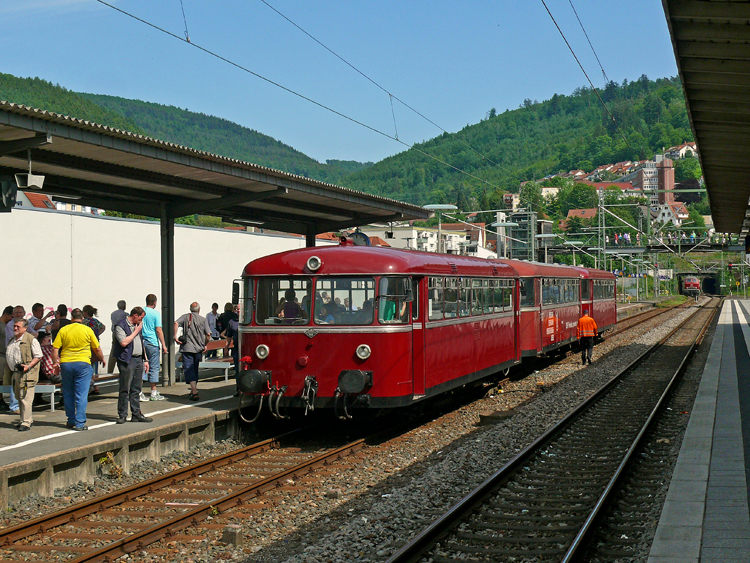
x=476, y=297
x=451, y=298
x=394, y=296
x=585, y=290
x=526, y=286
x=248, y=298
x=435, y=304
x=283, y=301
x=344, y=300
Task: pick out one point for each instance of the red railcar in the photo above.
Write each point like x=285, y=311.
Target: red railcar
x=691, y=286
x=346, y=327
x=598, y=296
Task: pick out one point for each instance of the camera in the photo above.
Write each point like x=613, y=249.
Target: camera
x=19, y=367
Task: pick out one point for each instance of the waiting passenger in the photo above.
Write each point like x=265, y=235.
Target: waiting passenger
x=280, y=307
x=324, y=315
x=292, y=309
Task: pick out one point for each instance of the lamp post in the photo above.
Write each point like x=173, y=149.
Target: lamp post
x=438, y=207
x=501, y=224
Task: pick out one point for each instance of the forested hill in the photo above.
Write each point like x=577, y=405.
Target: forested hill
x=41, y=94
x=171, y=124
x=537, y=139
x=472, y=167
x=220, y=136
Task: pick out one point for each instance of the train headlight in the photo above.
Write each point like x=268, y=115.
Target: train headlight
x=314, y=263
x=262, y=351
x=363, y=351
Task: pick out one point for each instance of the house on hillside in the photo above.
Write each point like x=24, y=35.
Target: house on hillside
x=474, y=238
x=34, y=199
x=682, y=151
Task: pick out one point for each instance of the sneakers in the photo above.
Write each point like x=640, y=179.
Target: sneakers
x=143, y=397
x=156, y=396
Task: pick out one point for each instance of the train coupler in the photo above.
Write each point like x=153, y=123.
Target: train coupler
x=254, y=381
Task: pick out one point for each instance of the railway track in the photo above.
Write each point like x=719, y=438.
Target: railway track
x=130, y=519
x=542, y=504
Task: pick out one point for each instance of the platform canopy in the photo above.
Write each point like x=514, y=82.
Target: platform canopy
x=711, y=43
x=99, y=166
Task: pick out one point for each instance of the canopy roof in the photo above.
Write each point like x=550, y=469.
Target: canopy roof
x=711, y=42
x=99, y=166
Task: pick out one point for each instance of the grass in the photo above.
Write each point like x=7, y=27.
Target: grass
x=672, y=301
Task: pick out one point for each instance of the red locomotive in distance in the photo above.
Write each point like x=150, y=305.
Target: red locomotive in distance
x=691, y=286
x=358, y=327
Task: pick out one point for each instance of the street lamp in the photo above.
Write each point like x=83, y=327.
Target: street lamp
x=438, y=207
x=499, y=225
x=548, y=236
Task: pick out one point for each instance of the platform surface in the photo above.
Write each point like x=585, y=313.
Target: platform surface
x=705, y=517
x=49, y=435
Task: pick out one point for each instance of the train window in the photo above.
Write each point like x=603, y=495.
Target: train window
x=283, y=300
x=527, y=292
x=487, y=295
x=476, y=297
x=435, y=299
x=247, y=301
x=344, y=300
x=393, y=306
x=585, y=290
x=508, y=294
x=464, y=297
x=451, y=298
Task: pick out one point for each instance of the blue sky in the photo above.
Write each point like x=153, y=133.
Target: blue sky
x=451, y=61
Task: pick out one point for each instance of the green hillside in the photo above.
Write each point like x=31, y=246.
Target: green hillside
x=41, y=94
x=220, y=136
x=535, y=140
x=472, y=167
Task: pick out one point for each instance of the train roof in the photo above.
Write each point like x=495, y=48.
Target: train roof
x=592, y=274
x=525, y=269
x=373, y=260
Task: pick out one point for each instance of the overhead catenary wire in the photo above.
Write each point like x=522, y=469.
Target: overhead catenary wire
x=184, y=19
x=289, y=90
x=391, y=95
x=612, y=117
x=606, y=79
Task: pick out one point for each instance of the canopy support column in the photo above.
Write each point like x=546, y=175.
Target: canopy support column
x=310, y=236
x=167, y=293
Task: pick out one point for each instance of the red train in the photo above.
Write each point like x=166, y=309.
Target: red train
x=691, y=286
x=346, y=327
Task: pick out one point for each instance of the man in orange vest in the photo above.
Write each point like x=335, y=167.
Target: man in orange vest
x=587, y=333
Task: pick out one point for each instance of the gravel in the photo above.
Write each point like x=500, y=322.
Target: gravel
x=373, y=503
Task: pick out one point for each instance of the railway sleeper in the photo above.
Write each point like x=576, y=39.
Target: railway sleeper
x=495, y=551
x=478, y=537
x=525, y=529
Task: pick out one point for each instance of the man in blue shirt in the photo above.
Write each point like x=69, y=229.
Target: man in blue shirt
x=153, y=340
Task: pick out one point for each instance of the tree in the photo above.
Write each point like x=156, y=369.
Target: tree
x=688, y=168
x=531, y=198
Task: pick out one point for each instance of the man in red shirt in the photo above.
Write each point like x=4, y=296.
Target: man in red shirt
x=586, y=333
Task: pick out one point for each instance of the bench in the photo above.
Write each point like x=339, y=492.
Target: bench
x=43, y=389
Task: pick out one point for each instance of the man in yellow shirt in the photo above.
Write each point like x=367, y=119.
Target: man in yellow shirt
x=75, y=343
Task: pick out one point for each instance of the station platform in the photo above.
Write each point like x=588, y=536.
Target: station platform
x=705, y=517
x=51, y=456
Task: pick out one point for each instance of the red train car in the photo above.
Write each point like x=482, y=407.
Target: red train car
x=598, y=296
x=346, y=327
x=691, y=286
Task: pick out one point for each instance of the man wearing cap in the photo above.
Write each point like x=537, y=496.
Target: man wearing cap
x=586, y=332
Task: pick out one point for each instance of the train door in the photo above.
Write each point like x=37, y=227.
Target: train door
x=418, y=317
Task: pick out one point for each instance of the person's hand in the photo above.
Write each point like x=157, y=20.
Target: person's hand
x=164, y=349
x=138, y=328
x=49, y=314
x=104, y=364
x=25, y=367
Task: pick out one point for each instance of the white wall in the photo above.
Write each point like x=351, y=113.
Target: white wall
x=58, y=257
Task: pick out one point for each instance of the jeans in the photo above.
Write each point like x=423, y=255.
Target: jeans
x=153, y=355
x=131, y=381
x=76, y=378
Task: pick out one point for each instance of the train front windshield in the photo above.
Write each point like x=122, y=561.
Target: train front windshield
x=321, y=301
